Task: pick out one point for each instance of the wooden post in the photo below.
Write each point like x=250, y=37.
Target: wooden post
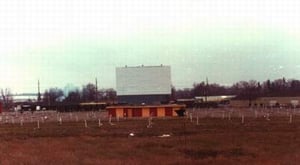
x=149, y=122
x=99, y=123
x=109, y=120
x=268, y=116
x=85, y=124
x=243, y=120
x=191, y=117
x=291, y=118
x=38, y=124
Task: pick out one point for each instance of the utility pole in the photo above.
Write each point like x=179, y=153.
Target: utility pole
x=39, y=93
x=206, y=89
x=96, y=82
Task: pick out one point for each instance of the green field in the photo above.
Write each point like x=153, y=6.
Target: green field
x=212, y=141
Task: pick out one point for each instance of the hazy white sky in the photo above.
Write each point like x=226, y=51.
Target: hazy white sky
x=63, y=41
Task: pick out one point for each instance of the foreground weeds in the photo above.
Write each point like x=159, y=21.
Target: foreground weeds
x=212, y=141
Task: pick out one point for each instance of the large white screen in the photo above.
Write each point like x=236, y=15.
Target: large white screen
x=143, y=80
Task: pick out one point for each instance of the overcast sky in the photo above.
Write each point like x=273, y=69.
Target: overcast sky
x=71, y=42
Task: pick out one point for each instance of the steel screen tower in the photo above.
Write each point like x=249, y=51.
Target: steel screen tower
x=143, y=84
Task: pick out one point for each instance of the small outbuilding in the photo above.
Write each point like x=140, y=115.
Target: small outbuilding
x=145, y=111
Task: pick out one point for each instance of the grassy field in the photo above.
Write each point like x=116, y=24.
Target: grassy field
x=215, y=140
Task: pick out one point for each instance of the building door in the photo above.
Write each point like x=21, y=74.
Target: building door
x=137, y=112
x=168, y=111
x=153, y=111
x=112, y=112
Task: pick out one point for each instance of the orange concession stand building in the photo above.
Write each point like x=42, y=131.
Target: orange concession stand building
x=144, y=111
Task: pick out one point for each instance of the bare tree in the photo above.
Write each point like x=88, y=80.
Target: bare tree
x=52, y=95
x=247, y=90
x=89, y=92
x=73, y=96
x=111, y=94
x=7, y=98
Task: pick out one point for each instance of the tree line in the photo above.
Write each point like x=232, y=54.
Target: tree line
x=243, y=89
x=88, y=93
x=248, y=90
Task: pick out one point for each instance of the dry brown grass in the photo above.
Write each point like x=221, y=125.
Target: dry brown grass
x=213, y=141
